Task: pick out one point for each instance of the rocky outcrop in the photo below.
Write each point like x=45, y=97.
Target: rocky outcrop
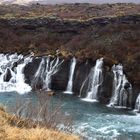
x=61, y=25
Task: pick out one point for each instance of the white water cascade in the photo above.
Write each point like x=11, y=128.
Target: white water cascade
x=95, y=80
x=120, y=92
x=71, y=75
x=52, y=67
x=39, y=74
x=48, y=67
x=137, y=104
x=15, y=75
x=21, y=86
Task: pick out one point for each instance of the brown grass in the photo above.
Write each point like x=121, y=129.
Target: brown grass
x=10, y=132
x=69, y=11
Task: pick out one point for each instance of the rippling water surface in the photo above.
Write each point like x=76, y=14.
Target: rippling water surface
x=92, y=120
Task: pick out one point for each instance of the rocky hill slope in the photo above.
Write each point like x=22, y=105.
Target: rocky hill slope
x=83, y=30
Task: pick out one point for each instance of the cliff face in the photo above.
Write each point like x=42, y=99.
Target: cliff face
x=84, y=76
x=86, y=31
x=116, y=39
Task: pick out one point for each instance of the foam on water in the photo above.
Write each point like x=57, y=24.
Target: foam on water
x=89, y=100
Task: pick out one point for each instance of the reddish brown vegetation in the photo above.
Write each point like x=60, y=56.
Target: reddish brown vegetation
x=117, y=42
x=70, y=11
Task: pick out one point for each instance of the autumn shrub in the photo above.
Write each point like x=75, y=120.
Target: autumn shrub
x=43, y=112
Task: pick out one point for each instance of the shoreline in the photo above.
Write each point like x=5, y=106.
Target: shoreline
x=13, y=128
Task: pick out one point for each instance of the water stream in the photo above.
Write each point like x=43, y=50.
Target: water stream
x=71, y=75
x=122, y=89
x=12, y=77
x=137, y=104
x=90, y=120
x=46, y=69
x=95, y=80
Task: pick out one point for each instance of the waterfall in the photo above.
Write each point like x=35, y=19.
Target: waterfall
x=48, y=67
x=21, y=86
x=95, y=80
x=39, y=74
x=13, y=80
x=122, y=89
x=52, y=67
x=137, y=104
x=71, y=75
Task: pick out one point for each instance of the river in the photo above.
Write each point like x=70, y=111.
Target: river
x=91, y=120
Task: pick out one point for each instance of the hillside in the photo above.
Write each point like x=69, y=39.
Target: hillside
x=69, y=11
x=86, y=31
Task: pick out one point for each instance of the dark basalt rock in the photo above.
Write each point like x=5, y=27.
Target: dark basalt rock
x=127, y=85
x=30, y=70
x=81, y=73
x=68, y=25
x=60, y=79
x=7, y=75
x=106, y=88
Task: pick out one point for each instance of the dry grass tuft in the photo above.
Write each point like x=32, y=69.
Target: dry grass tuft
x=11, y=132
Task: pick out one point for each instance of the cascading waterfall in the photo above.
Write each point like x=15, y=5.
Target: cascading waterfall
x=122, y=89
x=71, y=75
x=13, y=80
x=21, y=86
x=95, y=80
x=137, y=104
x=52, y=67
x=46, y=69
x=39, y=73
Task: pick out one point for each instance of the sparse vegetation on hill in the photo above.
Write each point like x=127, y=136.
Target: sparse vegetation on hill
x=69, y=11
x=86, y=31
